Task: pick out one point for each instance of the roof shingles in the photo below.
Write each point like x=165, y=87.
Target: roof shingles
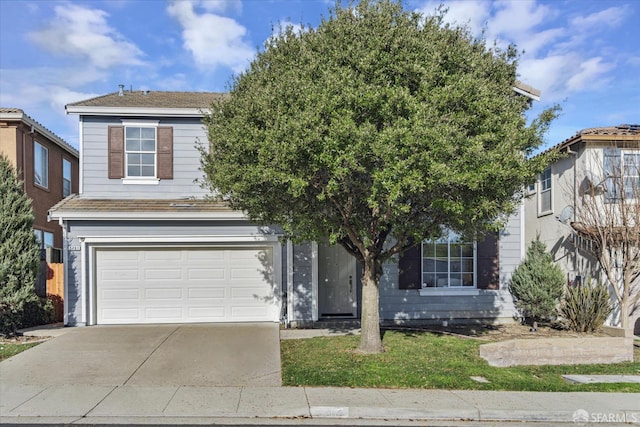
x=79, y=204
x=152, y=99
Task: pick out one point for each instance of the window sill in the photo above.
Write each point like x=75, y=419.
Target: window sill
x=448, y=292
x=140, y=181
x=545, y=213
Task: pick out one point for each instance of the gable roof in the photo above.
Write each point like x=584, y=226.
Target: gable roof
x=18, y=115
x=183, y=104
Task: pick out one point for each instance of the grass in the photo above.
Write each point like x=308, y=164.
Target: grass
x=428, y=360
x=11, y=349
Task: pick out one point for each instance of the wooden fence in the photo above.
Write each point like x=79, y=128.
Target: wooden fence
x=55, y=289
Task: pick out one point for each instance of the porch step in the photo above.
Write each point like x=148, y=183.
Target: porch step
x=337, y=324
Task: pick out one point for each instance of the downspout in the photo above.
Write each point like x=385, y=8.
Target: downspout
x=575, y=200
x=24, y=157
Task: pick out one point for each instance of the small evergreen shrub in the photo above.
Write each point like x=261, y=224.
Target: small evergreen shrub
x=37, y=312
x=585, y=308
x=19, y=251
x=537, y=284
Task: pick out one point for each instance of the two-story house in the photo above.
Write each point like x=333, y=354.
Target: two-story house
x=144, y=245
x=46, y=165
x=555, y=204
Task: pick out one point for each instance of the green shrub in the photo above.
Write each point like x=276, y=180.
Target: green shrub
x=38, y=312
x=537, y=284
x=19, y=251
x=585, y=308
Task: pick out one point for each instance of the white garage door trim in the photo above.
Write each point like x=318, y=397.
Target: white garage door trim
x=157, y=297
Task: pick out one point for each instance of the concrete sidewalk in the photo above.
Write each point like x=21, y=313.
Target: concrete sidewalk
x=118, y=403
x=88, y=404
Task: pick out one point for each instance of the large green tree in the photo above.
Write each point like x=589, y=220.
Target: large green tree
x=375, y=130
x=19, y=251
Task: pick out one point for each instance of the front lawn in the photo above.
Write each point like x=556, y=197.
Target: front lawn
x=10, y=348
x=415, y=359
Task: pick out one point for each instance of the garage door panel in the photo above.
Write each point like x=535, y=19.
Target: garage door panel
x=162, y=274
x=120, y=294
x=185, y=285
x=159, y=294
x=205, y=273
x=119, y=275
x=163, y=314
x=121, y=314
x=205, y=293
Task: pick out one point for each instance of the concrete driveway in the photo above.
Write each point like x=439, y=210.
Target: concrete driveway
x=246, y=354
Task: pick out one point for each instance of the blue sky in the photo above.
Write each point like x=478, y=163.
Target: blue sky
x=582, y=54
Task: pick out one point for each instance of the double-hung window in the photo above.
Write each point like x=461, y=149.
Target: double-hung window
x=66, y=177
x=622, y=173
x=40, y=165
x=448, y=263
x=545, y=196
x=630, y=173
x=140, y=152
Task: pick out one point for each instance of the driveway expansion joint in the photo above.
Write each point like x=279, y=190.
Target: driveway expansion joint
x=150, y=354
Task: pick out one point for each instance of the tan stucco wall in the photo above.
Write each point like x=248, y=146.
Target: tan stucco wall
x=8, y=144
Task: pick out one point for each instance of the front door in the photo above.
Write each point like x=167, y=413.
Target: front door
x=336, y=282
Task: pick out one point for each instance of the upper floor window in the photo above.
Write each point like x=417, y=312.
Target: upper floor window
x=140, y=151
x=448, y=263
x=622, y=171
x=545, y=197
x=40, y=165
x=66, y=177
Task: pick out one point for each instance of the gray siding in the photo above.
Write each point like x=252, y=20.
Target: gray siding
x=77, y=231
x=399, y=305
x=186, y=161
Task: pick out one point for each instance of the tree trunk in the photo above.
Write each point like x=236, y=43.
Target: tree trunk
x=370, y=339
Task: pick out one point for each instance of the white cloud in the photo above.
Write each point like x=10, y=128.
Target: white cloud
x=221, y=6
x=590, y=73
x=611, y=17
x=473, y=13
x=77, y=31
x=213, y=40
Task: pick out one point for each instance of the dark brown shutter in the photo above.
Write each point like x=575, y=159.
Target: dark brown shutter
x=488, y=266
x=409, y=268
x=165, y=152
x=116, y=152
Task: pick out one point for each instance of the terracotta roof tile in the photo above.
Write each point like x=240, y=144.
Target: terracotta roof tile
x=152, y=99
x=607, y=132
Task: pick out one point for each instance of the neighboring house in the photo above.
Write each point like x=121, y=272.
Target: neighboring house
x=46, y=164
x=553, y=202
x=145, y=246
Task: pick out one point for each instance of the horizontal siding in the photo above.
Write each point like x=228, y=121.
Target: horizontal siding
x=186, y=133
x=397, y=305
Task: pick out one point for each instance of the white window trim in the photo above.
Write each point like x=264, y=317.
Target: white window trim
x=46, y=165
x=456, y=291
x=540, y=191
x=141, y=180
x=450, y=290
x=132, y=180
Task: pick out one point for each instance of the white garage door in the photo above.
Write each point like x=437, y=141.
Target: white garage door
x=183, y=285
